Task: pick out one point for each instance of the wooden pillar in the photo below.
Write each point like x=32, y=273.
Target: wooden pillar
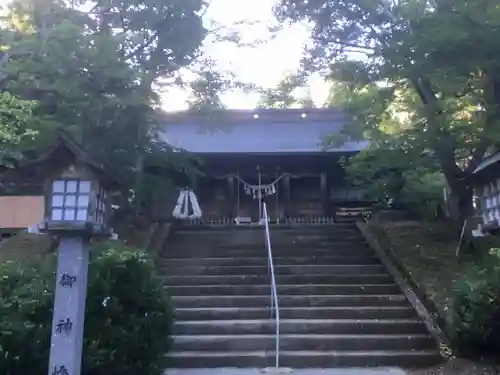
x=325, y=193
x=287, y=196
x=230, y=197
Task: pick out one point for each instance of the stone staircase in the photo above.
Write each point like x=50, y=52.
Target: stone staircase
x=338, y=305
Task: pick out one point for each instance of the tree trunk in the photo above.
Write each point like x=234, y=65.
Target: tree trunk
x=142, y=140
x=465, y=205
x=461, y=200
x=443, y=145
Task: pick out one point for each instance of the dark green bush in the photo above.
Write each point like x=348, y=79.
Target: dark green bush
x=128, y=315
x=476, y=308
x=26, y=297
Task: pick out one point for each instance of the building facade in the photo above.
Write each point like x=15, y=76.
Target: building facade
x=273, y=155
x=487, y=192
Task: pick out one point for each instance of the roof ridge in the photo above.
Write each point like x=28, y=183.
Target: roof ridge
x=274, y=115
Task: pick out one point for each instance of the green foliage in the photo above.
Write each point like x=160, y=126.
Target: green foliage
x=418, y=74
x=477, y=308
x=397, y=167
x=284, y=94
x=206, y=90
x=128, y=315
x=15, y=117
x=397, y=179
x=93, y=71
x=26, y=298
x=207, y=86
x=209, y=83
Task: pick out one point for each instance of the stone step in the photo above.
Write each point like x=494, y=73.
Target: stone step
x=276, y=229
x=316, y=235
x=261, y=251
x=258, y=243
x=305, y=279
x=278, y=237
x=302, y=326
x=302, y=359
x=359, y=312
x=303, y=342
x=338, y=305
x=283, y=290
x=260, y=234
x=305, y=240
x=343, y=269
x=362, y=312
x=262, y=260
x=234, y=230
x=332, y=233
x=290, y=301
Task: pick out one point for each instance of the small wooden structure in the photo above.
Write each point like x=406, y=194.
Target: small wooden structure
x=20, y=212
x=74, y=183
x=487, y=191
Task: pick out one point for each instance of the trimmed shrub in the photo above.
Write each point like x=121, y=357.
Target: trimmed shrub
x=26, y=298
x=128, y=315
x=476, y=308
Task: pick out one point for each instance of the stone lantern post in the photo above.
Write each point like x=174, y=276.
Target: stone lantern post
x=77, y=208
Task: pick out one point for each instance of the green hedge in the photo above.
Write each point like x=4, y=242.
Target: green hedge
x=476, y=308
x=128, y=315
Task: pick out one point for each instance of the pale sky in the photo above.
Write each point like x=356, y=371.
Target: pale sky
x=265, y=65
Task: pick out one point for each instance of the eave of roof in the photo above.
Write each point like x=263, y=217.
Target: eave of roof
x=488, y=162
x=257, y=131
x=63, y=151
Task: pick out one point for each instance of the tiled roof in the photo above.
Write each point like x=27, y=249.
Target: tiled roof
x=489, y=161
x=256, y=131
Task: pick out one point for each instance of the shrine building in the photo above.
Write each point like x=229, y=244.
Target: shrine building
x=272, y=155
x=486, y=182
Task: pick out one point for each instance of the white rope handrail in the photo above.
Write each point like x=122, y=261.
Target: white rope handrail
x=274, y=292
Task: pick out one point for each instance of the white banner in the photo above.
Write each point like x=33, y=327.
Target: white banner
x=187, y=199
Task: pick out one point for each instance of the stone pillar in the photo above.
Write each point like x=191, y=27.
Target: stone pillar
x=69, y=306
x=325, y=194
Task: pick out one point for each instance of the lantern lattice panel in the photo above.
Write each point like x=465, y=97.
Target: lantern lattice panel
x=491, y=199
x=70, y=200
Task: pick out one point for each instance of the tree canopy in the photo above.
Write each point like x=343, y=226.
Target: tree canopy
x=91, y=68
x=421, y=79
x=15, y=114
x=285, y=95
x=420, y=76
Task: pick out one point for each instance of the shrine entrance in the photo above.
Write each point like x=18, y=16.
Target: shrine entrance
x=252, y=192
